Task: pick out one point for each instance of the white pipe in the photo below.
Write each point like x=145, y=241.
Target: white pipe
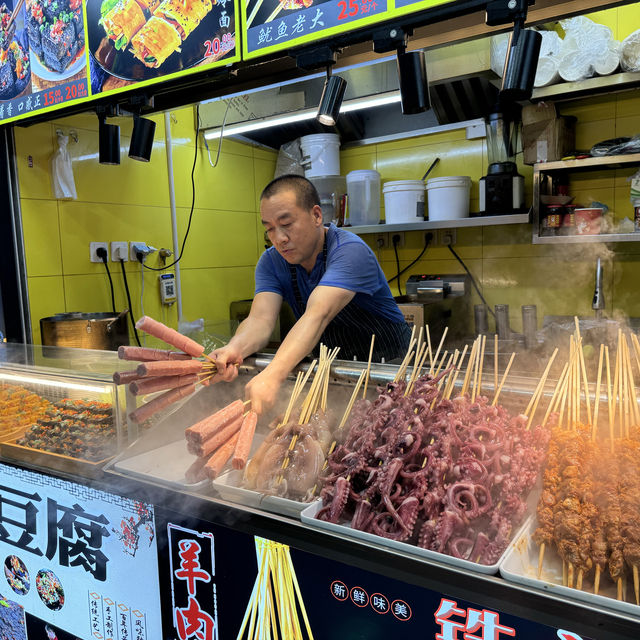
x=172, y=205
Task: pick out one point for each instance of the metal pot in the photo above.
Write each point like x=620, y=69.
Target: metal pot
x=104, y=331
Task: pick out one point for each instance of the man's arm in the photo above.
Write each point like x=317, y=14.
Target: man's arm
x=251, y=335
x=322, y=307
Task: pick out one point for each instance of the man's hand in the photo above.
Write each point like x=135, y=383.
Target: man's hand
x=262, y=390
x=227, y=360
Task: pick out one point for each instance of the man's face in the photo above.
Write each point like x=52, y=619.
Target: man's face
x=292, y=230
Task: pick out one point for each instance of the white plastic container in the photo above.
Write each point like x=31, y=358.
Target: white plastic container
x=363, y=197
x=403, y=201
x=448, y=197
x=321, y=154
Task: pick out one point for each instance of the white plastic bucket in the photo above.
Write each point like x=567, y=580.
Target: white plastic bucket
x=321, y=154
x=403, y=201
x=448, y=198
x=363, y=197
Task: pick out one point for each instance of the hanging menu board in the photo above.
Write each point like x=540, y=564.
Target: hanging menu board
x=276, y=25
x=59, y=52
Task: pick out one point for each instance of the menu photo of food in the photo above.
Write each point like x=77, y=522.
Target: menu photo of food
x=136, y=40
x=260, y=12
x=15, y=66
x=57, y=42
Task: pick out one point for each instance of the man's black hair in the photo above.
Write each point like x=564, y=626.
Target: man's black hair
x=306, y=194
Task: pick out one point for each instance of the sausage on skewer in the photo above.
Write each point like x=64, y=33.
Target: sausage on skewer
x=125, y=377
x=219, y=438
x=248, y=428
x=221, y=457
x=145, y=411
x=169, y=368
x=142, y=354
x=206, y=428
x=159, y=383
x=170, y=336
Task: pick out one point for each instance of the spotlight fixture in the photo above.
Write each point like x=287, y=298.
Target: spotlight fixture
x=412, y=77
x=331, y=100
x=108, y=139
x=521, y=64
x=142, y=139
x=524, y=47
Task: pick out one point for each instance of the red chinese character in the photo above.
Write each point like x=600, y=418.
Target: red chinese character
x=449, y=628
x=190, y=565
x=193, y=621
x=489, y=622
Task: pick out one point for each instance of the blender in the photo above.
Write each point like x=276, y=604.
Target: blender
x=502, y=189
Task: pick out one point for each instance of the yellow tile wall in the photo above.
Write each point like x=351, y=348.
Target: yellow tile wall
x=131, y=202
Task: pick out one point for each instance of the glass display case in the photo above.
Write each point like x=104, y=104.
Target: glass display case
x=60, y=408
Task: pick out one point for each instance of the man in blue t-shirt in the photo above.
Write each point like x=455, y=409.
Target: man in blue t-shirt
x=332, y=281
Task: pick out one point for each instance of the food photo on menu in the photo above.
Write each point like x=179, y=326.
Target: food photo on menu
x=56, y=37
x=15, y=66
x=135, y=40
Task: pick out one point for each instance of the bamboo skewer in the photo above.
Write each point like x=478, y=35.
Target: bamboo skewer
x=533, y=403
x=555, y=399
x=596, y=407
x=366, y=382
x=444, y=333
x=469, y=372
x=596, y=581
x=426, y=327
x=616, y=375
x=495, y=362
x=484, y=341
x=444, y=357
x=540, y=558
x=351, y=401
x=609, y=403
x=504, y=377
x=476, y=366
x=586, y=386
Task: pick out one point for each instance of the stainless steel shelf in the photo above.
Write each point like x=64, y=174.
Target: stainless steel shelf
x=590, y=86
x=603, y=162
x=587, y=239
x=479, y=221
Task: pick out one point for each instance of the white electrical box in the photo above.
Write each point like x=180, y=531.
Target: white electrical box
x=167, y=288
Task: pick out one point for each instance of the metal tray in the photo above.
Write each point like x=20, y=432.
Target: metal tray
x=520, y=564
x=308, y=516
x=165, y=465
x=227, y=485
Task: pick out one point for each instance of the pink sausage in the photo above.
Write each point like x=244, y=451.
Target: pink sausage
x=206, y=428
x=248, y=428
x=125, y=377
x=142, y=354
x=169, y=368
x=170, y=336
x=145, y=411
x=159, y=383
x=217, y=461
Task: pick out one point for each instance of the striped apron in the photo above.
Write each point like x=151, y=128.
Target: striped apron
x=352, y=327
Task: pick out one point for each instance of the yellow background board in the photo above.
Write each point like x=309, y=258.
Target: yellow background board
x=63, y=86
x=269, y=26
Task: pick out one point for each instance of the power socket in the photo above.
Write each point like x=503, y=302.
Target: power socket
x=447, y=237
x=119, y=251
x=397, y=239
x=382, y=240
x=93, y=250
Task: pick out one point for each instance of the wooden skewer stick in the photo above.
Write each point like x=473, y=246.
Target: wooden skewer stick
x=636, y=584
x=619, y=591
x=609, y=402
x=533, y=403
x=448, y=388
x=579, y=581
x=540, y=557
x=616, y=375
x=444, y=333
x=596, y=407
x=634, y=415
x=444, y=357
x=484, y=341
x=430, y=352
x=351, y=401
x=556, y=394
x=469, y=372
x=563, y=401
x=586, y=386
x=570, y=576
x=504, y=377
x=596, y=581
x=366, y=381
x=476, y=366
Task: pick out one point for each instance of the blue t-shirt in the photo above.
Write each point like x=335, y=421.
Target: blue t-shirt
x=351, y=265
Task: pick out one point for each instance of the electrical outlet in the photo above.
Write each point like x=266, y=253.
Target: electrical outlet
x=119, y=251
x=134, y=247
x=93, y=250
x=397, y=239
x=382, y=240
x=446, y=237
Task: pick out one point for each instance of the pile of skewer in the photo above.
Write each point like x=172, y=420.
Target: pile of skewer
x=589, y=510
x=176, y=373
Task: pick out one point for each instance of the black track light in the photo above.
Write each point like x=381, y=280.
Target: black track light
x=108, y=142
x=331, y=100
x=412, y=77
x=521, y=64
x=142, y=139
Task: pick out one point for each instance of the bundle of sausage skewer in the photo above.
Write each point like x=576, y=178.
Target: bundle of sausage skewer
x=589, y=509
x=175, y=373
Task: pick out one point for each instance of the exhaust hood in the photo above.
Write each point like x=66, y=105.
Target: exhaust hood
x=462, y=87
